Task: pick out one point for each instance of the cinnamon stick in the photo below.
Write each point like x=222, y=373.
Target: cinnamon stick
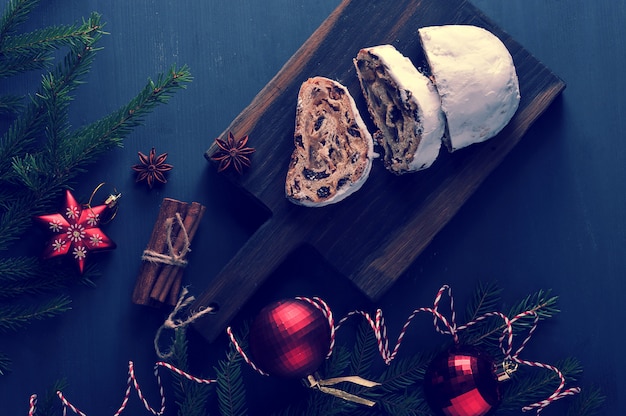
x=172, y=297
x=170, y=277
x=148, y=272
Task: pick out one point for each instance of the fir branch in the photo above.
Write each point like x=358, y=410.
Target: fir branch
x=14, y=317
x=410, y=403
x=29, y=51
x=5, y=364
x=10, y=105
x=45, y=40
x=15, y=14
x=529, y=385
x=191, y=397
x=14, y=64
x=337, y=363
x=486, y=299
x=231, y=392
x=48, y=404
x=540, y=302
x=318, y=404
x=489, y=331
x=588, y=402
x=102, y=135
x=24, y=275
x=19, y=208
x=22, y=133
x=365, y=349
x=403, y=373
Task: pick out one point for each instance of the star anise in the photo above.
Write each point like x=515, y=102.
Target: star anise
x=233, y=153
x=152, y=168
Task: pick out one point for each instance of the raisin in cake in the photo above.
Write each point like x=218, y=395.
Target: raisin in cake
x=405, y=107
x=333, y=148
x=476, y=79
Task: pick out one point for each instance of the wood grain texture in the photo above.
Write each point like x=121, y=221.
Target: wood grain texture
x=374, y=235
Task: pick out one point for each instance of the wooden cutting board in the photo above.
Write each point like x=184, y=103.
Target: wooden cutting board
x=375, y=234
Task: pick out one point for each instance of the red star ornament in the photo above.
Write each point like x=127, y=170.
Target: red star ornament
x=75, y=231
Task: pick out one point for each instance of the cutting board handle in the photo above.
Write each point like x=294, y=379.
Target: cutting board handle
x=266, y=249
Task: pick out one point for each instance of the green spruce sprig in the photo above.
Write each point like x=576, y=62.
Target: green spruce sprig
x=588, y=402
x=364, y=352
x=18, y=316
x=191, y=397
x=48, y=404
x=488, y=332
x=231, y=391
x=40, y=153
x=15, y=13
x=26, y=275
x=5, y=363
x=529, y=385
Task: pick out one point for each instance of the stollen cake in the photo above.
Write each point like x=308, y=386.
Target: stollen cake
x=404, y=106
x=475, y=76
x=333, y=149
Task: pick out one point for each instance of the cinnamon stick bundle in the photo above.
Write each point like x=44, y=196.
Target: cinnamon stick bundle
x=164, y=259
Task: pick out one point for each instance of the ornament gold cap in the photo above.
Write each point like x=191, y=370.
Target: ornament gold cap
x=506, y=369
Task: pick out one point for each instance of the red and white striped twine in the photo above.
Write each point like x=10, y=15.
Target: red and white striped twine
x=243, y=354
x=442, y=325
x=131, y=383
x=328, y=314
x=449, y=327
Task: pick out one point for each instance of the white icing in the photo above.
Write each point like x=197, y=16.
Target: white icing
x=476, y=79
x=416, y=86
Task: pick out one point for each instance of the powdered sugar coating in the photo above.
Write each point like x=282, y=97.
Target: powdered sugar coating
x=476, y=79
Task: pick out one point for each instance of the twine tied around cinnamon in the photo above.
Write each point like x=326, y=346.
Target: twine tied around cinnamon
x=171, y=257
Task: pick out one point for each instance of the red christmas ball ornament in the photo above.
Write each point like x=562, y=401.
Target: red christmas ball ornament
x=462, y=382
x=289, y=338
x=76, y=230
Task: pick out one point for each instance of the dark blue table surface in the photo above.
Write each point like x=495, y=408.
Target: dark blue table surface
x=552, y=216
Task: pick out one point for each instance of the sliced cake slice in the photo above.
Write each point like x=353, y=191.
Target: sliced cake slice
x=405, y=107
x=333, y=150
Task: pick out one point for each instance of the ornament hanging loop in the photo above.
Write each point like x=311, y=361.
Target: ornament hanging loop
x=314, y=382
x=111, y=201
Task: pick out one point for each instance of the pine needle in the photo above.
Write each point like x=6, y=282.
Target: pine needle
x=191, y=397
x=588, y=402
x=486, y=299
x=405, y=372
x=10, y=105
x=15, y=13
x=231, y=392
x=337, y=363
x=5, y=364
x=365, y=349
x=14, y=317
x=529, y=385
x=489, y=331
x=48, y=405
x=20, y=276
